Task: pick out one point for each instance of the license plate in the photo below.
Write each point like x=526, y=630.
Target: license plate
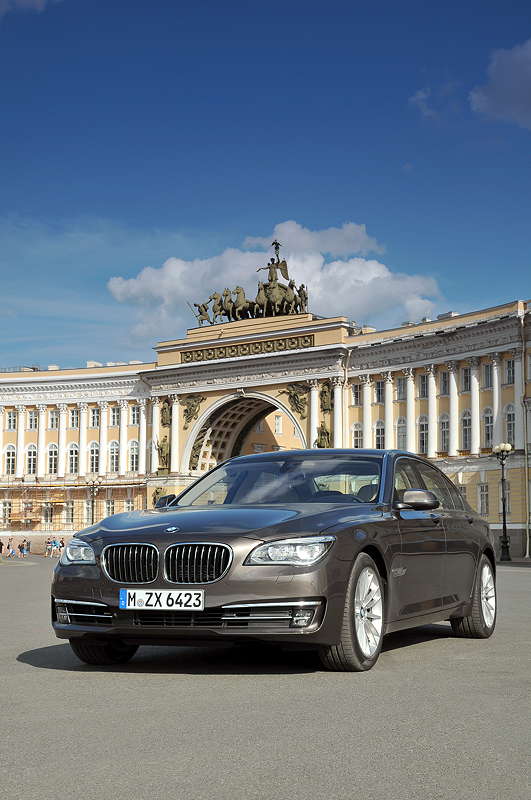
x=162, y=599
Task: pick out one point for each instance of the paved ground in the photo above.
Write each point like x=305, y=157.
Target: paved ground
x=437, y=718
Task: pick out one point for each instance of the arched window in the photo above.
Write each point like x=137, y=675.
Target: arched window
x=114, y=457
x=31, y=460
x=380, y=435
x=73, y=459
x=509, y=424
x=423, y=434
x=11, y=459
x=466, y=430
x=401, y=433
x=94, y=457
x=488, y=425
x=444, y=433
x=53, y=456
x=134, y=451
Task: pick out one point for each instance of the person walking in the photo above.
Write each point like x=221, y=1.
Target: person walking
x=1, y=549
x=48, y=548
x=10, y=549
x=28, y=546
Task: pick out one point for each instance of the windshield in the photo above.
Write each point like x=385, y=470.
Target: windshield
x=293, y=480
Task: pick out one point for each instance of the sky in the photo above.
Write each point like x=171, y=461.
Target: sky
x=151, y=149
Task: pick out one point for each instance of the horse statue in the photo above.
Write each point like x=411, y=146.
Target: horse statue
x=228, y=305
x=202, y=313
x=261, y=301
x=217, y=307
x=275, y=297
x=291, y=299
x=243, y=308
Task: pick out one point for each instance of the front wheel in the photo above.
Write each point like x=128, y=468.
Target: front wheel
x=103, y=653
x=482, y=621
x=363, y=623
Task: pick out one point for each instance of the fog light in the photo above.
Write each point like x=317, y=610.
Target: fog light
x=302, y=617
x=62, y=615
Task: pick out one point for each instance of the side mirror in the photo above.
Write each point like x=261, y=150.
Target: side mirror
x=418, y=500
x=165, y=500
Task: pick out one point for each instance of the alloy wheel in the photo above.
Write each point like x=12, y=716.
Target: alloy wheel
x=368, y=611
x=488, y=595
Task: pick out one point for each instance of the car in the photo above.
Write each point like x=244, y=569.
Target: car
x=329, y=548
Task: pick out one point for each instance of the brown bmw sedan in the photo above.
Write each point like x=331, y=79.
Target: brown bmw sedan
x=332, y=548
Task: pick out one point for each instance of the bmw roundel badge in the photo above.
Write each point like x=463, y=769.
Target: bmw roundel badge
x=172, y=530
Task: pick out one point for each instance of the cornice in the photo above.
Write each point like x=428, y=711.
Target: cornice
x=74, y=392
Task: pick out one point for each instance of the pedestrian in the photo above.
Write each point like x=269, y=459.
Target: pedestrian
x=48, y=549
x=1, y=549
x=61, y=547
x=10, y=549
x=28, y=546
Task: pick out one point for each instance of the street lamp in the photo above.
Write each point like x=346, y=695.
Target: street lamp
x=93, y=487
x=501, y=451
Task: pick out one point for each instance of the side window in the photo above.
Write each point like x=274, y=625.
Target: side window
x=405, y=478
x=436, y=483
x=456, y=496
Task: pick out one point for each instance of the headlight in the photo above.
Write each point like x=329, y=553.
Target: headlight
x=77, y=552
x=299, y=552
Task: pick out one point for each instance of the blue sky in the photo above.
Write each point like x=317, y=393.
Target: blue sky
x=176, y=135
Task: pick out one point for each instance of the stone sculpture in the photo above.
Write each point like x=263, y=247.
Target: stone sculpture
x=326, y=398
x=323, y=436
x=165, y=414
x=297, y=398
x=163, y=449
x=191, y=404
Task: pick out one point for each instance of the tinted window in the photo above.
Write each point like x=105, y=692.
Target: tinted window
x=456, y=496
x=405, y=478
x=436, y=483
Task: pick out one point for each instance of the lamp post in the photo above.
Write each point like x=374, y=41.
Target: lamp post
x=93, y=487
x=501, y=451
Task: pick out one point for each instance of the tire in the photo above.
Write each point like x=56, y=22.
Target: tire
x=359, y=647
x=103, y=653
x=482, y=621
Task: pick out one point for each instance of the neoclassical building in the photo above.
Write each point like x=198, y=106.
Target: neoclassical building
x=78, y=443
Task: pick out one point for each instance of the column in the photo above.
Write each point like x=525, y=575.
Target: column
x=338, y=412
x=83, y=421
x=61, y=456
x=21, y=427
x=155, y=420
x=174, y=434
x=366, y=399
x=497, y=433
x=453, y=433
x=103, y=437
x=124, y=410
x=389, y=427
x=142, y=436
x=314, y=412
x=432, y=411
x=518, y=407
x=2, y=423
x=411, y=443
x=41, y=442
x=474, y=407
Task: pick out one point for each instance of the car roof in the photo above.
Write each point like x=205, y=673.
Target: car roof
x=281, y=455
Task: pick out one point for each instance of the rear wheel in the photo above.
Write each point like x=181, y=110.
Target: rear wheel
x=102, y=653
x=482, y=621
x=362, y=628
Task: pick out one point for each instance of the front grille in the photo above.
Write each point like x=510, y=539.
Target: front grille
x=197, y=563
x=277, y=615
x=173, y=619
x=131, y=563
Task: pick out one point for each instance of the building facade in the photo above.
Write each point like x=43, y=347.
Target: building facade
x=78, y=445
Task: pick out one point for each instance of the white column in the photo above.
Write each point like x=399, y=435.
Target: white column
x=314, y=412
x=389, y=428
x=2, y=423
x=155, y=420
x=432, y=412
x=474, y=407
x=497, y=433
x=453, y=433
x=174, y=434
x=518, y=407
x=103, y=437
x=124, y=410
x=338, y=412
x=21, y=427
x=142, y=438
x=41, y=442
x=61, y=457
x=411, y=443
x=366, y=398
x=83, y=421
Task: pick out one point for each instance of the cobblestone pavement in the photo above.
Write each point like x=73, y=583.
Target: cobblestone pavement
x=438, y=717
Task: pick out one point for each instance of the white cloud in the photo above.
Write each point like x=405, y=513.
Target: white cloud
x=420, y=101
x=22, y=5
x=346, y=240
x=507, y=94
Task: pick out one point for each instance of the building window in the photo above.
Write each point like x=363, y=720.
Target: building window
x=11, y=421
x=423, y=434
x=87, y=512
x=109, y=508
x=379, y=390
x=114, y=457
x=401, y=384
x=94, y=457
x=444, y=429
x=483, y=499
x=73, y=459
x=509, y=424
x=31, y=460
x=33, y=420
x=507, y=497
x=465, y=379
x=69, y=512
x=94, y=417
x=134, y=450
x=380, y=434
x=401, y=434
x=11, y=459
x=135, y=415
x=278, y=423
x=258, y=448
x=129, y=505
x=487, y=376
x=356, y=394
x=47, y=513
x=423, y=385
x=74, y=418
x=27, y=510
x=444, y=382
x=53, y=419
x=462, y=490
x=259, y=427
x=357, y=438
x=488, y=427
x=509, y=370
x=466, y=430
x=115, y=416
x=53, y=457
x=6, y=512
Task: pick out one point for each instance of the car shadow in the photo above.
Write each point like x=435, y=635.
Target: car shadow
x=253, y=658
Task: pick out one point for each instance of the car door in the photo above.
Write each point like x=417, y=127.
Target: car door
x=464, y=531
x=418, y=584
